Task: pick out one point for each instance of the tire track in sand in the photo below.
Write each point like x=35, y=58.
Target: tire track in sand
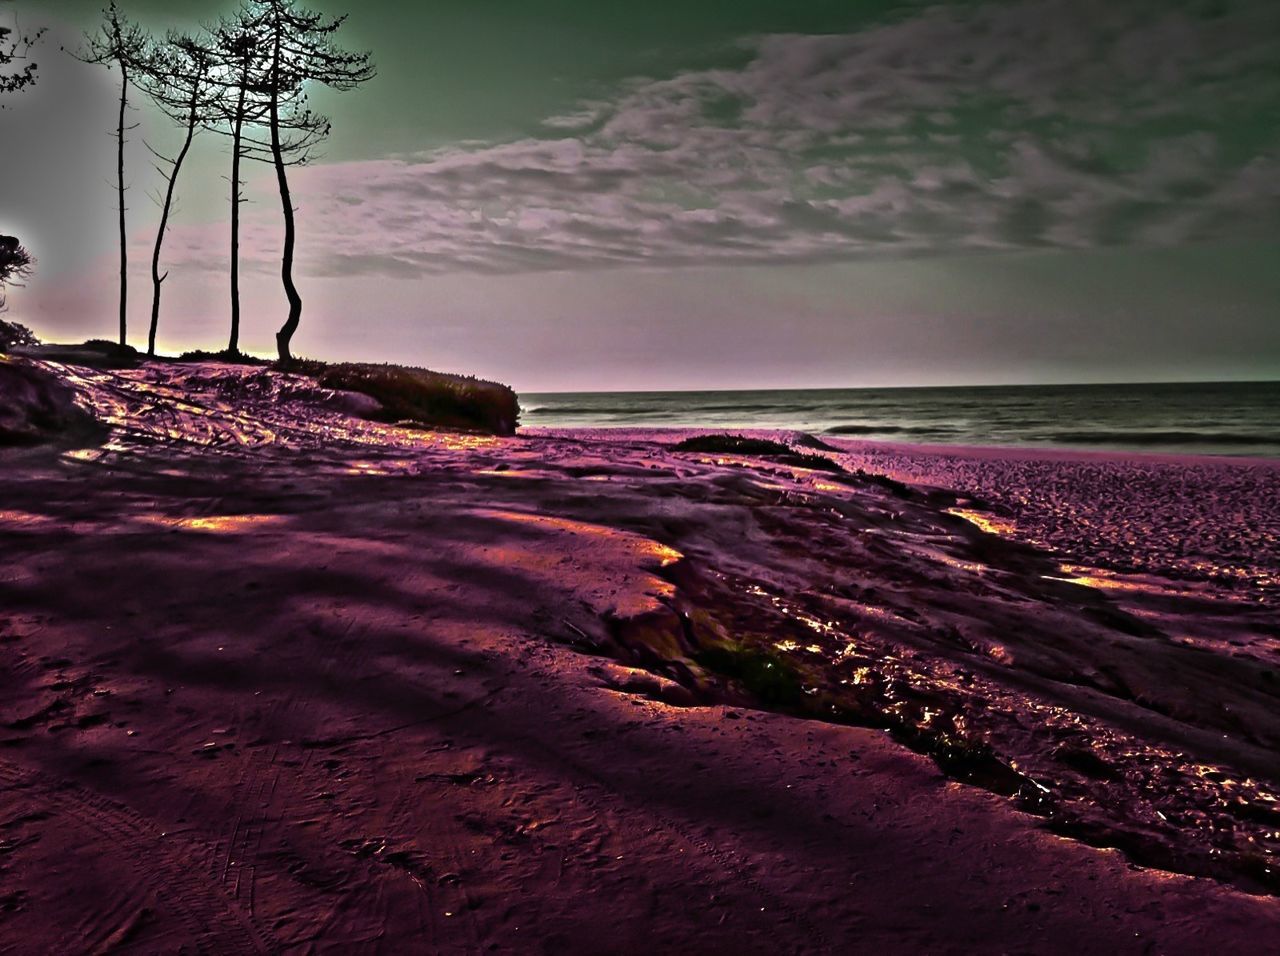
x=159, y=862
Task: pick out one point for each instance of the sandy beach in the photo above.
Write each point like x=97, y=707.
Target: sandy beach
x=279, y=679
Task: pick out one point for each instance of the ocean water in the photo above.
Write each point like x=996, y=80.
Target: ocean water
x=1206, y=418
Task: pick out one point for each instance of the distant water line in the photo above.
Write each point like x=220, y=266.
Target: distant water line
x=1205, y=418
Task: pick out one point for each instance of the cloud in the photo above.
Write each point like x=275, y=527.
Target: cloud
x=1042, y=123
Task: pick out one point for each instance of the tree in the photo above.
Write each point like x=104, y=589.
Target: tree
x=176, y=76
x=299, y=50
x=15, y=263
x=125, y=44
x=239, y=106
x=14, y=47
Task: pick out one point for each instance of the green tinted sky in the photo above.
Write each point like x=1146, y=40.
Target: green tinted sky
x=482, y=69
x=712, y=193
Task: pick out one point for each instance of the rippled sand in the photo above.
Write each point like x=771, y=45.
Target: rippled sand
x=279, y=679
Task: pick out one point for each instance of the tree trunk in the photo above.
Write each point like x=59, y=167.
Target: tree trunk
x=233, y=345
x=156, y=277
x=285, y=336
x=124, y=254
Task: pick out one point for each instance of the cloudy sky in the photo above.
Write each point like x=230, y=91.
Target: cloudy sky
x=576, y=195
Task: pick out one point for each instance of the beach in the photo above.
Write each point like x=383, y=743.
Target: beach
x=283, y=679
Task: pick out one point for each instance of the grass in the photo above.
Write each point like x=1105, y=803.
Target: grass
x=767, y=677
x=421, y=396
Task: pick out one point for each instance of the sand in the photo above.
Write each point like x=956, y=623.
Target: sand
x=281, y=680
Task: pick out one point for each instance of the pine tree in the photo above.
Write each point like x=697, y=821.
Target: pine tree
x=178, y=79
x=238, y=108
x=122, y=43
x=299, y=50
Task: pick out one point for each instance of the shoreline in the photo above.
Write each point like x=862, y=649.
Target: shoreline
x=359, y=682
x=854, y=444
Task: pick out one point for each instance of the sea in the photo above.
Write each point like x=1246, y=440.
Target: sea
x=1201, y=418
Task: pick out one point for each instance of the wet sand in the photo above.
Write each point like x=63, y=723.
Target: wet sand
x=278, y=679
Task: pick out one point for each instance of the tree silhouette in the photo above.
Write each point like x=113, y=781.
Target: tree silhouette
x=14, y=47
x=15, y=263
x=177, y=77
x=125, y=44
x=299, y=50
x=238, y=106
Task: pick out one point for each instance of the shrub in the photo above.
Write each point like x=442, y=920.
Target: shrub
x=232, y=358
x=421, y=396
x=15, y=335
x=766, y=447
x=733, y=445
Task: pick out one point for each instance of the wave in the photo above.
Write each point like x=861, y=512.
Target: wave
x=665, y=409
x=1160, y=438
x=601, y=410
x=889, y=430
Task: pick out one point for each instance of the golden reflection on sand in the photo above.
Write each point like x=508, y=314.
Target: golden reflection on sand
x=1114, y=581
x=452, y=441
x=646, y=547
x=983, y=521
x=215, y=524
x=26, y=519
x=610, y=568
x=1093, y=578
x=83, y=454
x=387, y=467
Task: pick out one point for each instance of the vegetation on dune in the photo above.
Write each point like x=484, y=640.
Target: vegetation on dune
x=15, y=335
x=768, y=677
x=733, y=445
x=15, y=263
x=891, y=485
x=95, y=353
x=231, y=358
x=815, y=462
x=420, y=395
x=765, y=447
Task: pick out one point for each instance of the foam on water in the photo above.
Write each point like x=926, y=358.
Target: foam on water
x=1233, y=418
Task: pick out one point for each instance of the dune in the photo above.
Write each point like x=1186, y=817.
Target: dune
x=38, y=406
x=279, y=679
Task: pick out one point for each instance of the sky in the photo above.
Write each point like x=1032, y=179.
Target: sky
x=569, y=195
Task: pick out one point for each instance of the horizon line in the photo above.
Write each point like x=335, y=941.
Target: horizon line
x=887, y=388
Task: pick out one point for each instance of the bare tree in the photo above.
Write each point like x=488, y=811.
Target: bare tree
x=120, y=42
x=300, y=50
x=176, y=76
